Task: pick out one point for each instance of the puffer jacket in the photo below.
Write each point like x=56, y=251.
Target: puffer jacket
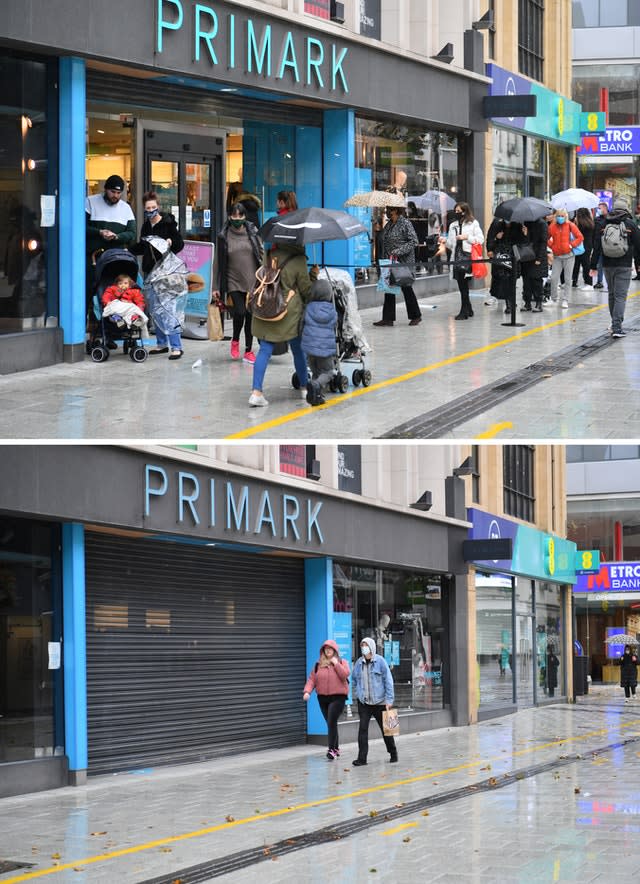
x=628, y=670
x=377, y=674
x=400, y=241
x=327, y=680
x=564, y=237
x=319, y=329
x=294, y=276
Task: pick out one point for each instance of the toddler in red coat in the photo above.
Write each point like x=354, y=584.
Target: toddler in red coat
x=123, y=302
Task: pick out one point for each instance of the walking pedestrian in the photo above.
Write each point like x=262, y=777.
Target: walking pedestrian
x=296, y=278
x=399, y=243
x=319, y=339
x=628, y=673
x=373, y=685
x=534, y=271
x=463, y=233
x=330, y=680
x=563, y=237
x=553, y=664
x=239, y=253
x=586, y=226
x=614, y=243
x=600, y=220
x=165, y=321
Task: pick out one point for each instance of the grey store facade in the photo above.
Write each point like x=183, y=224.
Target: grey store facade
x=189, y=99
x=131, y=622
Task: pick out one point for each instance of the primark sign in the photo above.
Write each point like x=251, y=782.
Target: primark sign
x=612, y=577
x=225, y=40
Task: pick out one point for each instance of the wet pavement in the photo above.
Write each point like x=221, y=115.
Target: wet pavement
x=414, y=371
x=545, y=794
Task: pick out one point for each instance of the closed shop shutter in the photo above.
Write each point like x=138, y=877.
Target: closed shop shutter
x=192, y=652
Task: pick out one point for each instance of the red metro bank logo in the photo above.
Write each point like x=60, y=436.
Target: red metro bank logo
x=615, y=576
x=600, y=580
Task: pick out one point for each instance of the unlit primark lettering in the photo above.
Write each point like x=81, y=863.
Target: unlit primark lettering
x=236, y=507
x=226, y=41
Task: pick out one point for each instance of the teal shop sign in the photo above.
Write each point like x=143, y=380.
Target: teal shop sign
x=544, y=556
x=558, y=118
x=228, y=41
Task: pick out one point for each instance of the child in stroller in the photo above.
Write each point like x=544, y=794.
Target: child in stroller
x=319, y=339
x=123, y=303
x=120, y=313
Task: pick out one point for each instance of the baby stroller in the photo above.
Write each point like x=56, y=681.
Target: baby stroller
x=350, y=341
x=108, y=266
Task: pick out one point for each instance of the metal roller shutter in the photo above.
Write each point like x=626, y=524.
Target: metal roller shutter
x=192, y=652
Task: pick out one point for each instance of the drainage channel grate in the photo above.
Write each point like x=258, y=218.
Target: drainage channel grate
x=243, y=859
x=435, y=424
x=8, y=866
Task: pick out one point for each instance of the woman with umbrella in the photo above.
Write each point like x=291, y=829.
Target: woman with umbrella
x=586, y=226
x=628, y=673
x=399, y=243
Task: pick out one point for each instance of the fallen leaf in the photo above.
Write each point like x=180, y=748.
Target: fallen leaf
x=373, y=871
x=406, y=840
x=230, y=819
x=55, y=856
x=98, y=833
x=373, y=813
x=493, y=781
x=576, y=791
x=78, y=869
x=166, y=849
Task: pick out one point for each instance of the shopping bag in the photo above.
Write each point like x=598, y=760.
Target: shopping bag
x=401, y=274
x=479, y=271
x=390, y=723
x=214, y=323
x=524, y=252
x=384, y=283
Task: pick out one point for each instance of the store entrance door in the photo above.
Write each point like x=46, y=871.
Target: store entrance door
x=186, y=173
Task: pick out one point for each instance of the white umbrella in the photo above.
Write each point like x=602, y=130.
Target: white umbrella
x=433, y=201
x=375, y=199
x=574, y=198
x=621, y=639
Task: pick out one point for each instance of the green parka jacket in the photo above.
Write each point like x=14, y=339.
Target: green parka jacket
x=294, y=276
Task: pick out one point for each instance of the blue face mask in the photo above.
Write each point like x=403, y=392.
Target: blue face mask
x=560, y=220
x=150, y=213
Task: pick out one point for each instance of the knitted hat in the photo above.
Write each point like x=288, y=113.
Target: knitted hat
x=620, y=204
x=114, y=182
x=321, y=290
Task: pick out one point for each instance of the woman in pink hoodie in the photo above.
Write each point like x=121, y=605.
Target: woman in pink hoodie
x=330, y=679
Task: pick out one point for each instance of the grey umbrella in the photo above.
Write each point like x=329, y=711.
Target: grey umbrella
x=523, y=209
x=310, y=225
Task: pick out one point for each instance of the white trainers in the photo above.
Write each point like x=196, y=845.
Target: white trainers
x=563, y=304
x=586, y=288
x=303, y=393
x=491, y=301
x=256, y=400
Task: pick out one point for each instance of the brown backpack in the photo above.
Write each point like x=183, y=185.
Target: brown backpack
x=267, y=300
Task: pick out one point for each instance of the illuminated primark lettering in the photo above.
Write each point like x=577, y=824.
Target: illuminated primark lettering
x=232, y=506
x=222, y=43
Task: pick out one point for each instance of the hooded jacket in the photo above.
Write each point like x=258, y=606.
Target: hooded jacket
x=618, y=217
x=320, y=320
x=328, y=680
x=372, y=679
x=628, y=670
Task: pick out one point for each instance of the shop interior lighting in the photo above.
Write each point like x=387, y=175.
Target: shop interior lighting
x=25, y=124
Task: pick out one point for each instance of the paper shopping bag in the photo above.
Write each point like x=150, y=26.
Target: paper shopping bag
x=390, y=723
x=214, y=323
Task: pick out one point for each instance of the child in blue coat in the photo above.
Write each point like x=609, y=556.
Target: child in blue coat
x=319, y=339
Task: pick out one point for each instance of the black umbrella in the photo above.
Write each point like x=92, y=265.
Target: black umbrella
x=310, y=225
x=523, y=209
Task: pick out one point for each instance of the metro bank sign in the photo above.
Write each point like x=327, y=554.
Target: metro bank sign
x=612, y=577
x=615, y=140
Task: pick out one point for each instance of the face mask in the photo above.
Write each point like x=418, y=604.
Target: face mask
x=237, y=222
x=561, y=220
x=366, y=651
x=150, y=213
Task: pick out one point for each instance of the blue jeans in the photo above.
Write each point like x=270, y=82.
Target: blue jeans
x=264, y=355
x=163, y=318
x=172, y=339
x=618, y=281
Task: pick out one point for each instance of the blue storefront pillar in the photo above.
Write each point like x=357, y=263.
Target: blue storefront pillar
x=318, y=575
x=71, y=214
x=339, y=178
x=75, y=651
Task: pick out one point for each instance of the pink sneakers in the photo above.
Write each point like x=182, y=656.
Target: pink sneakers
x=249, y=357
x=235, y=349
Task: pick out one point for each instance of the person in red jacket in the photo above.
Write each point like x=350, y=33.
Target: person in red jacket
x=330, y=679
x=564, y=236
x=123, y=302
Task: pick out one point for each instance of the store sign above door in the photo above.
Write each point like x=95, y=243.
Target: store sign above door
x=230, y=41
x=235, y=508
x=611, y=577
x=556, y=117
x=615, y=140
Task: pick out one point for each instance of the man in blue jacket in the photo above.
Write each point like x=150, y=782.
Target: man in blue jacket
x=373, y=685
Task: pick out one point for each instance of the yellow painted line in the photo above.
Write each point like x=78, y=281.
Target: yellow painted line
x=335, y=799
x=399, y=829
x=494, y=429
x=408, y=376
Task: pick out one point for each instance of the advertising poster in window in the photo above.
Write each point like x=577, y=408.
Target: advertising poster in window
x=370, y=18
x=350, y=468
x=320, y=8
x=342, y=626
x=198, y=257
x=293, y=460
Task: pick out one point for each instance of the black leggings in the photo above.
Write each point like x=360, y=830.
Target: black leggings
x=331, y=706
x=389, y=306
x=241, y=318
x=629, y=689
x=366, y=713
x=463, y=288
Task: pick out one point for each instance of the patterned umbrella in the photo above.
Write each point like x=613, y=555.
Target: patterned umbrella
x=621, y=638
x=574, y=198
x=376, y=199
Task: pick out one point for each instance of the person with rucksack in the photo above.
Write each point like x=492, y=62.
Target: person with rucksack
x=330, y=680
x=276, y=302
x=615, y=242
